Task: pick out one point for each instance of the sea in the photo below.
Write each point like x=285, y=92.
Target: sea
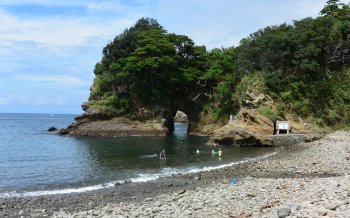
x=35, y=162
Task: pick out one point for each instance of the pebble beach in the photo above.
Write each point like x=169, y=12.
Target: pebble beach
x=304, y=180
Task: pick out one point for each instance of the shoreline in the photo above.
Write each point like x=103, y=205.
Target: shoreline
x=136, y=181
x=311, y=164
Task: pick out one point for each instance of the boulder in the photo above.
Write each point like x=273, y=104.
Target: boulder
x=52, y=129
x=249, y=128
x=180, y=117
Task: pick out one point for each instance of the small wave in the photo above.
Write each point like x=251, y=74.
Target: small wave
x=165, y=172
x=149, y=156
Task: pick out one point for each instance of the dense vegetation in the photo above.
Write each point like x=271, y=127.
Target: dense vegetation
x=146, y=66
x=304, y=67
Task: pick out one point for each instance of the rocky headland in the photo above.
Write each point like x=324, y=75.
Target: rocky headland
x=248, y=128
x=113, y=127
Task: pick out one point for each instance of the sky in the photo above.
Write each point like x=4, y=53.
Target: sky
x=48, y=48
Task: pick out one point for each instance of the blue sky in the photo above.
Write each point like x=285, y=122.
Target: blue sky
x=48, y=48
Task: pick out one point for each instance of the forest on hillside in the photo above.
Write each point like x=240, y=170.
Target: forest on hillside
x=303, y=66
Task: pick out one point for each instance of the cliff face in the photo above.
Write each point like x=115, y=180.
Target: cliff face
x=148, y=121
x=114, y=127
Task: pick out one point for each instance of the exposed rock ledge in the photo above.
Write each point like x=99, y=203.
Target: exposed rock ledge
x=250, y=128
x=95, y=125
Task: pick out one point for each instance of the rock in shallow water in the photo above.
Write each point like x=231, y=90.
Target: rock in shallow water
x=52, y=129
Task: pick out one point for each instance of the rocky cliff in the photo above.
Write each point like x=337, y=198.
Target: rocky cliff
x=248, y=128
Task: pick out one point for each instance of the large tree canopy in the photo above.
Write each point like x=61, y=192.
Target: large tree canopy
x=144, y=66
x=303, y=66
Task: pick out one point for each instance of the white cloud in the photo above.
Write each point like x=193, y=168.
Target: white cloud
x=61, y=79
x=224, y=23
x=57, y=34
x=50, y=3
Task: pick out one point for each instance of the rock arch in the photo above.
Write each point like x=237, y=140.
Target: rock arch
x=190, y=108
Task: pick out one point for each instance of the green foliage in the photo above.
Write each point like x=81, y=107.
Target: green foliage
x=147, y=63
x=112, y=104
x=220, y=74
x=304, y=67
x=270, y=113
x=253, y=82
x=305, y=64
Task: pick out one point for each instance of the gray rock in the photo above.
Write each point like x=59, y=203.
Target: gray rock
x=52, y=129
x=158, y=204
x=127, y=181
x=251, y=194
x=96, y=212
x=198, y=177
x=322, y=212
x=283, y=212
x=155, y=210
x=331, y=205
x=181, y=192
x=82, y=213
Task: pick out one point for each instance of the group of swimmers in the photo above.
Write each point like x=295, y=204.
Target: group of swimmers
x=216, y=145
x=162, y=155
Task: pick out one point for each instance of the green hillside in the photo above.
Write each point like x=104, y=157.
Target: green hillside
x=304, y=67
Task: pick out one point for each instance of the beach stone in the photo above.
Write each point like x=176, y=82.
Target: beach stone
x=117, y=184
x=331, y=205
x=283, y=212
x=155, y=210
x=96, y=212
x=127, y=181
x=330, y=213
x=198, y=177
x=158, y=204
x=181, y=192
x=322, y=211
x=251, y=194
x=82, y=214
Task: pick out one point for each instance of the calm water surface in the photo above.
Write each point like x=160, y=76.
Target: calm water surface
x=34, y=161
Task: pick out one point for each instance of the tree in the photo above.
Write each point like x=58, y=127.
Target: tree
x=331, y=7
x=148, y=66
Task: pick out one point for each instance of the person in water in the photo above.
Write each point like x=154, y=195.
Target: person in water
x=220, y=152
x=162, y=155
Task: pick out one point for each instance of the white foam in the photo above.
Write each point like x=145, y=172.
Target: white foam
x=165, y=172
x=57, y=191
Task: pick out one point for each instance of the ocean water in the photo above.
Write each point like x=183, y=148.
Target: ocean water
x=35, y=162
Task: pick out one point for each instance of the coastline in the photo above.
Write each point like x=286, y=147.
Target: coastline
x=309, y=179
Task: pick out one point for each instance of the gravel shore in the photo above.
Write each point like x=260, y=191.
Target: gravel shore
x=304, y=180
